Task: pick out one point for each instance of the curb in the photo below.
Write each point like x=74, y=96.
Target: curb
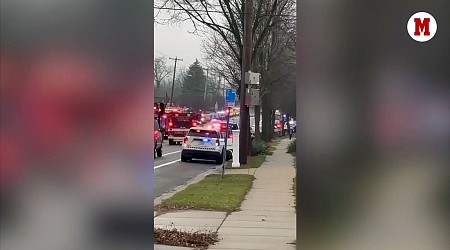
x=177, y=189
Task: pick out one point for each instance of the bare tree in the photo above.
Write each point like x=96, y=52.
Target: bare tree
x=221, y=22
x=161, y=70
x=225, y=19
x=274, y=59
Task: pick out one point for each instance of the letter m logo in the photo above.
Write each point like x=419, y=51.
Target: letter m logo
x=422, y=26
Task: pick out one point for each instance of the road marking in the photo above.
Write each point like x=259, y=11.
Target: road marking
x=171, y=153
x=167, y=163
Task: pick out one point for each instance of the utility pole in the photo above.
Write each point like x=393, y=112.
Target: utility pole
x=218, y=87
x=173, y=79
x=246, y=66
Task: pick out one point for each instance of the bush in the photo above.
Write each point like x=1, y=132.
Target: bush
x=259, y=148
x=292, y=148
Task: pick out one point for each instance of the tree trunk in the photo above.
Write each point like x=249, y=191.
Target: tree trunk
x=272, y=123
x=266, y=118
x=257, y=120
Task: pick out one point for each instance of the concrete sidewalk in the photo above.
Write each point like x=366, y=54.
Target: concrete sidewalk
x=267, y=219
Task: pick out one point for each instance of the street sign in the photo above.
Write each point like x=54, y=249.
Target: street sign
x=230, y=97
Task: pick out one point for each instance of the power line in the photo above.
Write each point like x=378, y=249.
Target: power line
x=157, y=51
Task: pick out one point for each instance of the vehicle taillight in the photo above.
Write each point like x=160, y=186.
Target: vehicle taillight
x=185, y=141
x=278, y=125
x=230, y=136
x=156, y=135
x=194, y=124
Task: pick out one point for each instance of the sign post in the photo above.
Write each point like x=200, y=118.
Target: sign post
x=230, y=101
x=230, y=98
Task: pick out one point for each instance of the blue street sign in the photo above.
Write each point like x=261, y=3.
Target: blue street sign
x=230, y=97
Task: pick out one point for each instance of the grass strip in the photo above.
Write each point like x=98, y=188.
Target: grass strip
x=292, y=148
x=212, y=193
x=253, y=162
x=271, y=146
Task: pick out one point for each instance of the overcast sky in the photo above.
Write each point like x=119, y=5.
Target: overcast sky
x=175, y=40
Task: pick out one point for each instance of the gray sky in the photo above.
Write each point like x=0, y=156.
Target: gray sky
x=175, y=40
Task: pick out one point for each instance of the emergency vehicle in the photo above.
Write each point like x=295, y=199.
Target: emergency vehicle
x=178, y=124
x=222, y=127
x=158, y=132
x=162, y=119
x=278, y=125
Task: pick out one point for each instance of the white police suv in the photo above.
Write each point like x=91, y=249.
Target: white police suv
x=203, y=143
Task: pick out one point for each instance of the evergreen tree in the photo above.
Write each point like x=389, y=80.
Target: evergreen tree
x=194, y=86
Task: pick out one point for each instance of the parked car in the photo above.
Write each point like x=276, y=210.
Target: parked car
x=203, y=143
x=233, y=126
x=159, y=137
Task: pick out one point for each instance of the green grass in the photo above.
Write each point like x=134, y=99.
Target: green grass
x=259, y=147
x=212, y=193
x=253, y=162
x=292, y=148
x=271, y=146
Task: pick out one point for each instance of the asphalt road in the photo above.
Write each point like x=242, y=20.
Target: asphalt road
x=170, y=172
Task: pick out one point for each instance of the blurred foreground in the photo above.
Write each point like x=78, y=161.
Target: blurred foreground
x=374, y=130
x=76, y=122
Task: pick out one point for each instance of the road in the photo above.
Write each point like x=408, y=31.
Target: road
x=170, y=172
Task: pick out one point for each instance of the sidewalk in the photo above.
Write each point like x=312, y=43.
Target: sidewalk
x=267, y=219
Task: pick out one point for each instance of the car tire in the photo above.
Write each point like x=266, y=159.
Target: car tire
x=184, y=158
x=159, y=152
x=229, y=155
x=171, y=142
x=219, y=160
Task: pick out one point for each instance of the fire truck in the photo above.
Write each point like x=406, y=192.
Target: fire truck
x=178, y=124
x=161, y=115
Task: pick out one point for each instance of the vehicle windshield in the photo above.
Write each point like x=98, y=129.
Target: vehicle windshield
x=203, y=133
